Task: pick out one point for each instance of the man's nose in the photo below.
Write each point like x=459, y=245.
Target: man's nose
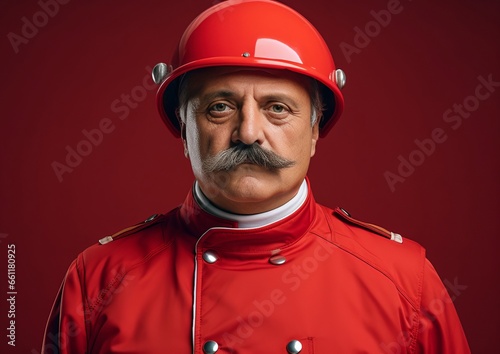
x=250, y=125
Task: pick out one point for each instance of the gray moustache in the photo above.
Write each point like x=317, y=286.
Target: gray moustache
x=254, y=154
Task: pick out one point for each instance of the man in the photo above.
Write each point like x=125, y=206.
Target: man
x=249, y=263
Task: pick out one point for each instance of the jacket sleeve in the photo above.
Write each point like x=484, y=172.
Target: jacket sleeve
x=65, y=331
x=440, y=330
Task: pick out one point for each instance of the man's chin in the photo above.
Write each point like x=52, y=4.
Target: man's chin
x=245, y=178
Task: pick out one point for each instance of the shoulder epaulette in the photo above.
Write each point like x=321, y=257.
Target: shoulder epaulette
x=342, y=213
x=152, y=220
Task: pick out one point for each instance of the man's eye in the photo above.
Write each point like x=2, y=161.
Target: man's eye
x=219, y=107
x=277, y=108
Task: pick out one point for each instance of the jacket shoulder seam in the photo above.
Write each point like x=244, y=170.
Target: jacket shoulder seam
x=93, y=307
x=377, y=268
x=80, y=271
x=418, y=311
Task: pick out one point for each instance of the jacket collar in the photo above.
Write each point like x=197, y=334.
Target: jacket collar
x=216, y=233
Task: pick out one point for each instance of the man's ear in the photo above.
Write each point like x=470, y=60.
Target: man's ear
x=315, y=137
x=183, y=132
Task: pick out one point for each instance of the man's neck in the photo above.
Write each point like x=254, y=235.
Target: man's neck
x=253, y=220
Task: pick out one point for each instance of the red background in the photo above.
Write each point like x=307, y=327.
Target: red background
x=66, y=77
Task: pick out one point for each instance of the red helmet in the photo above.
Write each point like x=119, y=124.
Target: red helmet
x=251, y=33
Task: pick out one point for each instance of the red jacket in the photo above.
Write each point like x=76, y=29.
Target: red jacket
x=173, y=284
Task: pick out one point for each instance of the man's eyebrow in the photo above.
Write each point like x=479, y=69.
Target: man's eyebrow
x=281, y=98
x=271, y=97
x=216, y=94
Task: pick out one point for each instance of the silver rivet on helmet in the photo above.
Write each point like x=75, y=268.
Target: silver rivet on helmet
x=160, y=72
x=246, y=54
x=340, y=78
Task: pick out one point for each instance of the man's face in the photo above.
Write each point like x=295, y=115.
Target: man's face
x=229, y=107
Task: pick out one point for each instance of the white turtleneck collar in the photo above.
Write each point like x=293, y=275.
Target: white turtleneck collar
x=253, y=220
